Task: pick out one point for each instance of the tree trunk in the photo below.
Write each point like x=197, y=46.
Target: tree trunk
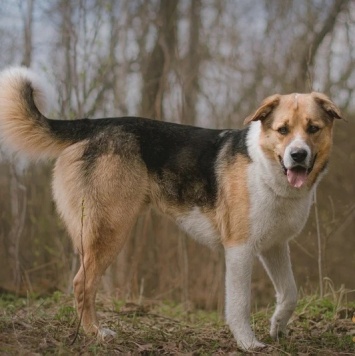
x=192, y=66
x=159, y=62
x=27, y=33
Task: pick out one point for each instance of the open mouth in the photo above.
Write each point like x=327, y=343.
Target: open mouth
x=297, y=175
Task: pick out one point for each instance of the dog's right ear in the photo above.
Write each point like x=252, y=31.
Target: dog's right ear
x=267, y=106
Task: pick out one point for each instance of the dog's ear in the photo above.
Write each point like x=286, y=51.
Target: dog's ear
x=327, y=105
x=267, y=106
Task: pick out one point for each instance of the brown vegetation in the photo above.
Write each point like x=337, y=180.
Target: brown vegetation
x=49, y=326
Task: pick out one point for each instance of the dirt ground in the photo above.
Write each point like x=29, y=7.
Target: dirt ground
x=46, y=326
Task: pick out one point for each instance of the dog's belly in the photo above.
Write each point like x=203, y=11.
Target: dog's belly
x=199, y=227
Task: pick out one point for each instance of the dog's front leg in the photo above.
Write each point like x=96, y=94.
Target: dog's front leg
x=276, y=261
x=239, y=263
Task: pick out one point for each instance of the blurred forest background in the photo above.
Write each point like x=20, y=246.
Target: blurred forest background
x=200, y=62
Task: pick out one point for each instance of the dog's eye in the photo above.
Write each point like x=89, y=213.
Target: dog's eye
x=312, y=129
x=283, y=130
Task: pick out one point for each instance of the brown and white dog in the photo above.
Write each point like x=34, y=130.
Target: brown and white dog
x=249, y=190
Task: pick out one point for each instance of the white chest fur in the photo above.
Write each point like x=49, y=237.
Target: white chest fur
x=274, y=218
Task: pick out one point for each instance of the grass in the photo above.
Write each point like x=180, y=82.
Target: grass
x=45, y=326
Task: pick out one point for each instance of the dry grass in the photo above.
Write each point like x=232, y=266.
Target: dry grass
x=48, y=325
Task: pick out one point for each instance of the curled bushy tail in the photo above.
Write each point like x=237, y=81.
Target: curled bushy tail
x=23, y=127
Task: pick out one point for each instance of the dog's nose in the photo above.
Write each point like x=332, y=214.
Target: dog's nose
x=298, y=155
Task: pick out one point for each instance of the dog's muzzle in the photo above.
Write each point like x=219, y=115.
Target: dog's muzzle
x=299, y=155
x=297, y=165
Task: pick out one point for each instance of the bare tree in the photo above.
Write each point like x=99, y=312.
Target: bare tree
x=191, y=65
x=160, y=60
x=27, y=8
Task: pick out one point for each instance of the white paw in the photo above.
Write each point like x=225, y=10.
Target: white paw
x=105, y=335
x=250, y=345
x=277, y=329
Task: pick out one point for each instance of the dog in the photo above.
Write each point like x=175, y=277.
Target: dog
x=248, y=190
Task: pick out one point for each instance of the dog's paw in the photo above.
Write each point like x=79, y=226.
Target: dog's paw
x=277, y=331
x=251, y=345
x=105, y=335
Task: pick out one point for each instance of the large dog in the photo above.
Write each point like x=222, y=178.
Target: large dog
x=249, y=190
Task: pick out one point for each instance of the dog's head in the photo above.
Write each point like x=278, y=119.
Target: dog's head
x=296, y=131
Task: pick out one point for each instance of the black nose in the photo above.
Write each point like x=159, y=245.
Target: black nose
x=299, y=155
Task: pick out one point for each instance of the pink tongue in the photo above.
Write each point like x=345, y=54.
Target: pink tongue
x=296, y=177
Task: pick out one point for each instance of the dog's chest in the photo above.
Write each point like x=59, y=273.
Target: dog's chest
x=273, y=218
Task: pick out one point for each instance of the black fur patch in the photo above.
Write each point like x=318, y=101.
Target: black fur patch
x=181, y=158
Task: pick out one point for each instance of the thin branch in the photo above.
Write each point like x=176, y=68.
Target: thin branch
x=84, y=271
x=320, y=271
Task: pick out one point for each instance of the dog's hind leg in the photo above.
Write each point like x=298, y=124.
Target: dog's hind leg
x=95, y=258
x=107, y=223
x=99, y=203
x=276, y=261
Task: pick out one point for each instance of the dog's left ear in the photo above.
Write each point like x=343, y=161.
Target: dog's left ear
x=267, y=106
x=327, y=105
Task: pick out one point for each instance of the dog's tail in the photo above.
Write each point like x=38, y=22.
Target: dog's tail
x=23, y=127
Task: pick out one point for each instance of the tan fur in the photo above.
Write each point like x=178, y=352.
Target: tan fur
x=99, y=211
x=232, y=212
x=265, y=109
x=68, y=189
x=20, y=130
x=296, y=101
